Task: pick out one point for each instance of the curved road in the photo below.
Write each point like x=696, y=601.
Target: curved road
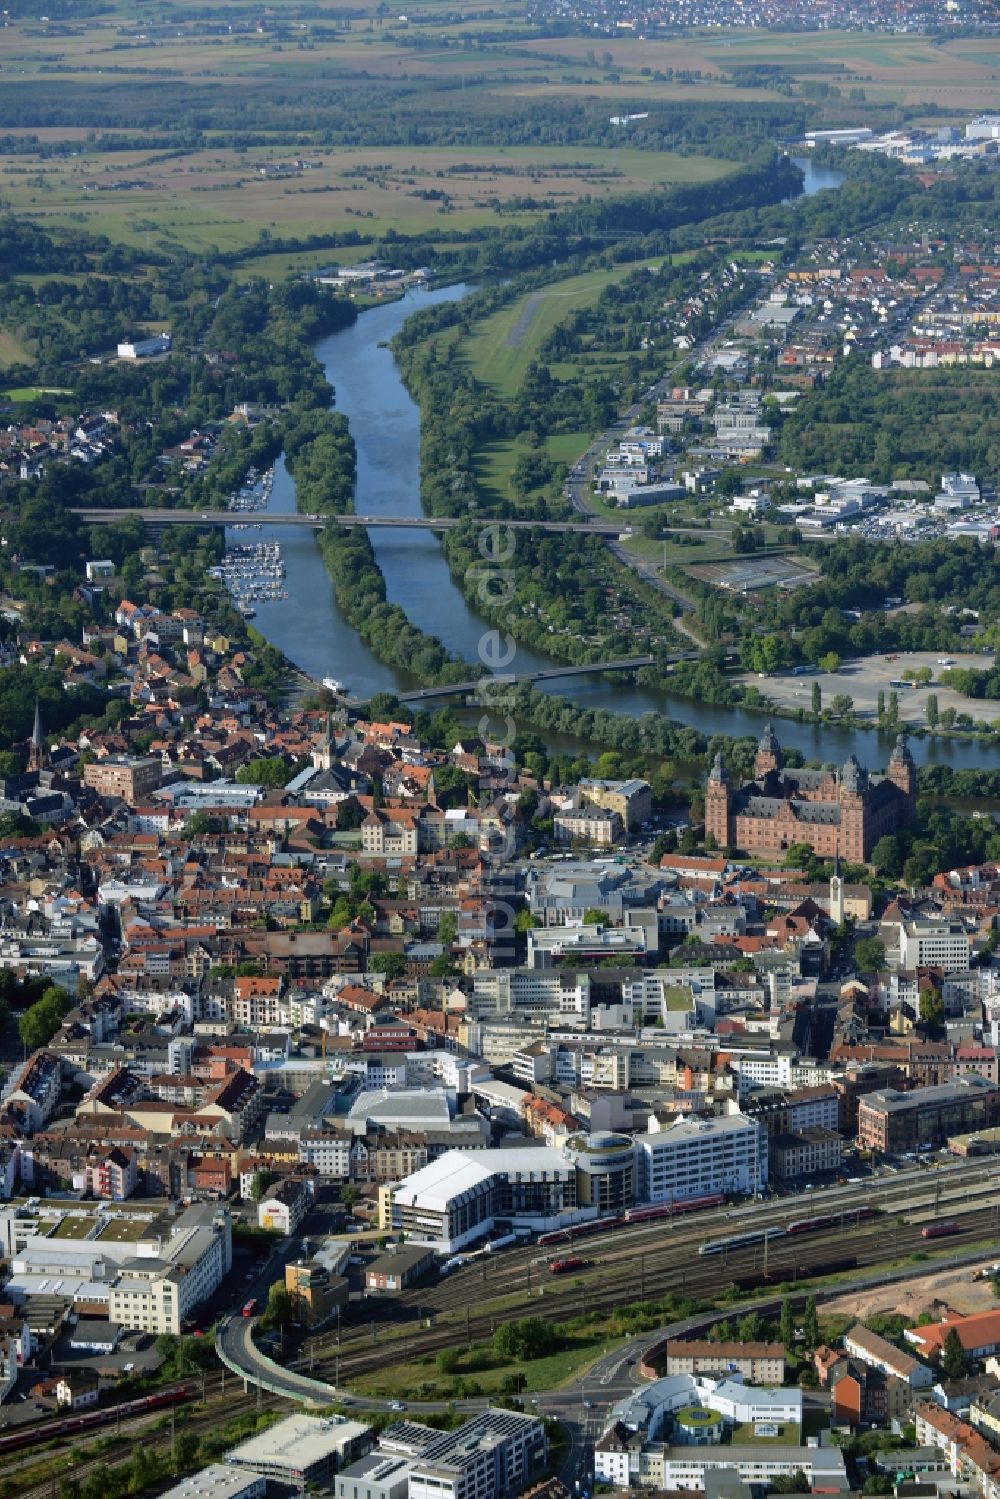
x=236, y=1348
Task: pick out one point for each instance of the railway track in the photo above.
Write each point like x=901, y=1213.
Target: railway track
x=615, y=1278
x=523, y=1271
x=624, y=1266
x=199, y=1420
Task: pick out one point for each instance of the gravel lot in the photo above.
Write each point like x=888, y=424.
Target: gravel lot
x=863, y=679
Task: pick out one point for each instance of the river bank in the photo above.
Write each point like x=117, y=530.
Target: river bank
x=313, y=630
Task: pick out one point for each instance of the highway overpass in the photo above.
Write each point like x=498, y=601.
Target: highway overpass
x=236, y=1348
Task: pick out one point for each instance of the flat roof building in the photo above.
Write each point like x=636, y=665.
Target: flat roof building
x=892, y=1121
x=375, y=1477
x=493, y=1455
x=303, y=1449
x=219, y=1482
x=456, y=1199
x=699, y=1157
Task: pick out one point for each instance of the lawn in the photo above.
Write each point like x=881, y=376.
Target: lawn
x=744, y=1434
x=12, y=350
x=488, y=1370
x=126, y=1230
x=495, y=461
x=32, y=392
x=502, y=346
x=73, y=1226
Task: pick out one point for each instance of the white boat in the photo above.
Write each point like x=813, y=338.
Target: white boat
x=332, y=685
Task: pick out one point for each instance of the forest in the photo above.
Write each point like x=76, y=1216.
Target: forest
x=895, y=424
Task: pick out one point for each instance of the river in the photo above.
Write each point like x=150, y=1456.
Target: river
x=384, y=421
x=815, y=178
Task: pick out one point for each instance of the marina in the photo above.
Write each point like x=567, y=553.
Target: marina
x=254, y=571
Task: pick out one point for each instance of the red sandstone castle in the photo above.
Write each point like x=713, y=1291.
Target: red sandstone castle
x=841, y=812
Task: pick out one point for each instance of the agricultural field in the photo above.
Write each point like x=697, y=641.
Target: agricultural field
x=170, y=127
x=224, y=199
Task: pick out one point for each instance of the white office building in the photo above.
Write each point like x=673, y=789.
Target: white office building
x=494, y=1454
x=934, y=944
x=699, y=1157
x=455, y=1200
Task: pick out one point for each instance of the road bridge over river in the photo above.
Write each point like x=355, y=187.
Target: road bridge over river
x=200, y=518
x=490, y=684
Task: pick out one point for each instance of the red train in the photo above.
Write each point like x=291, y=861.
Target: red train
x=828, y=1220
x=579, y=1230
x=28, y=1436
x=940, y=1230
x=673, y=1209
x=633, y=1215
x=571, y=1262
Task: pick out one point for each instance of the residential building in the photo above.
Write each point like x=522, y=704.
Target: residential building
x=590, y=825
x=126, y=778
x=806, y=1155
x=33, y=1089
x=78, y=1390
x=761, y=1363
x=318, y=1291
x=878, y=1353
x=285, y=1205
x=979, y=1335
x=632, y=800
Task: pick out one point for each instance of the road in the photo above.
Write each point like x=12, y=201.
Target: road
x=163, y=517
x=625, y=663
x=234, y=1343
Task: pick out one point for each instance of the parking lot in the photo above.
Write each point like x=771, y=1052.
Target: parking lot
x=863, y=679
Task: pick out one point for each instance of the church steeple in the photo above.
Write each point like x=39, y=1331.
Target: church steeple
x=36, y=753
x=322, y=755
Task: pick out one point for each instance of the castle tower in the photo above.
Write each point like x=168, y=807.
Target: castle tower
x=37, y=757
x=903, y=774
x=718, y=801
x=852, y=843
x=768, y=755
